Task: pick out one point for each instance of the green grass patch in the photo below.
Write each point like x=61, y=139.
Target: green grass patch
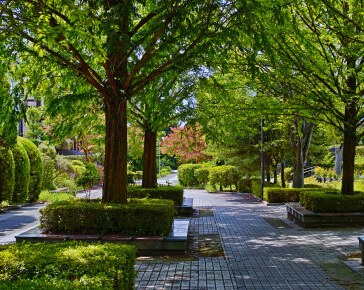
x=47, y=196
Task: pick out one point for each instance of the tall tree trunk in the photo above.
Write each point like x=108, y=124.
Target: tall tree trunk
x=300, y=143
x=115, y=175
x=298, y=176
x=283, y=180
x=150, y=159
x=275, y=175
x=338, y=159
x=349, y=150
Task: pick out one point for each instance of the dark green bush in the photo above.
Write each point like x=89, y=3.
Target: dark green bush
x=245, y=185
x=90, y=177
x=150, y=217
x=313, y=186
x=186, y=174
x=202, y=175
x=7, y=174
x=318, y=201
x=36, y=168
x=277, y=195
x=256, y=186
x=288, y=173
x=174, y=193
x=307, y=196
x=130, y=177
x=22, y=175
x=71, y=265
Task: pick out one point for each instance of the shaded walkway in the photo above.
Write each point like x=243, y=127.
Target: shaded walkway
x=262, y=251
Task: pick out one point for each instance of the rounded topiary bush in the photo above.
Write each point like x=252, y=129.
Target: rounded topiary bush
x=22, y=174
x=36, y=168
x=186, y=174
x=7, y=176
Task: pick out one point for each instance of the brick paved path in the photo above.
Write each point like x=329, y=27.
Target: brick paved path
x=262, y=251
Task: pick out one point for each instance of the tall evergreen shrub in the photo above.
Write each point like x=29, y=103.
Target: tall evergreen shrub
x=22, y=174
x=7, y=175
x=36, y=168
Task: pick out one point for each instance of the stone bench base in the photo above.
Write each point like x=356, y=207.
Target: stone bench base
x=308, y=219
x=174, y=243
x=186, y=209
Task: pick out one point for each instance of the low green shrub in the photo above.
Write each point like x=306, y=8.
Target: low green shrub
x=256, y=186
x=224, y=175
x=71, y=265
x=150, y=217
x=36, y=168
x=306, y=197
x=288, y=174
x=22, y=174
x=174, y=193
x=186, y=174
x=98, y=157
x=332, y=202
x=202, y=175
x=130, y=177
x=78, y=163
x=278, y=195
x=7, y=175
x=245, y=185
x=138, y=174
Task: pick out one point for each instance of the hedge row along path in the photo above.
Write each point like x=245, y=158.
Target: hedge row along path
x=260, y=250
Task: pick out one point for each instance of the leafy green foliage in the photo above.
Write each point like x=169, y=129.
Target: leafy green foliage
x=90, y=177
x=22, y=174
x=35, y=127
x=12, y=106
x=186, y=174
x=151, y=217
x=7, y=176
x=174, y=193
x=74, y=265
x=223, y=175
x=202, y=175
x=36, y=168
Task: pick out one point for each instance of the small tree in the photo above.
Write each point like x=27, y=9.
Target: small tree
x=89, y=179
x=186, y=143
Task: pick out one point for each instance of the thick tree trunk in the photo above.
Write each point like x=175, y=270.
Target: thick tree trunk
x=115, y=174
x=150, y=159
x=338, y=159
x=298, y=177
x=283, y=180
x=349, y=151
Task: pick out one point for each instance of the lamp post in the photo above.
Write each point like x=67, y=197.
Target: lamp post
x=262, y=157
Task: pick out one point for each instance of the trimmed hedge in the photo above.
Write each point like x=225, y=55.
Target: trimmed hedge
x=318, y=201
x=278, y=195
x=7, y=176
x=256, y=186
x=174, y=193
x=36, y=168
x=149, y=217
x=186, y=174
x=22, y=174
x=71, y=265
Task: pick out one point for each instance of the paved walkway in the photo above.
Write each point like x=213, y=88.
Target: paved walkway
x=262, y=251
